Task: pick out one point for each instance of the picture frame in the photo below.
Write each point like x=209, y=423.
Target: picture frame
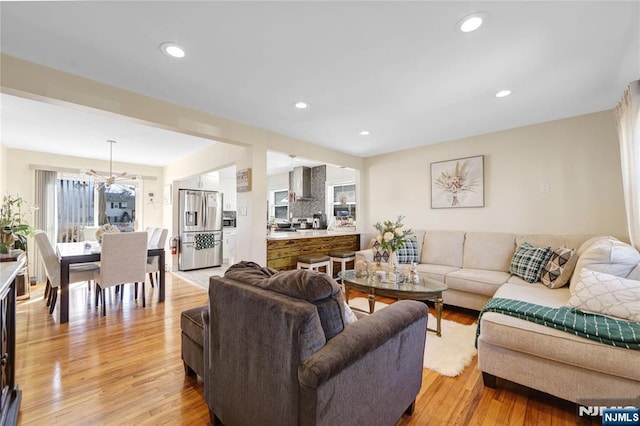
x=243, y=180
x=458, y=183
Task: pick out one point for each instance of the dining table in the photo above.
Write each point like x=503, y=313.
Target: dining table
x=89, y=251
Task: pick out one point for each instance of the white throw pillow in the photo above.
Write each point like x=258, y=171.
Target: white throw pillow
x=635, y=274
x=607, y=255
x=349, y=316
x=606, y=294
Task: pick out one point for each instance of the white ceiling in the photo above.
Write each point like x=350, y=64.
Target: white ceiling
x=397, y=69
x=39, y=126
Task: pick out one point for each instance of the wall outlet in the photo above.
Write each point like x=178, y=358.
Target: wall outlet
x=545, y=187
x=242, y=211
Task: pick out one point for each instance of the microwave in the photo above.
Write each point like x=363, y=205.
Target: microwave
x=228, y=219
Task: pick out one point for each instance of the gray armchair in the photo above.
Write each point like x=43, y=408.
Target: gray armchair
x=270, y=361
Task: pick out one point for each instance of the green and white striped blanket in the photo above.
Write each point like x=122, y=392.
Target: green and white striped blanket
x=607, y=330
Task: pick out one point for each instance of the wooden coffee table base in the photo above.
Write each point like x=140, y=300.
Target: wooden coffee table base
x=373, y=292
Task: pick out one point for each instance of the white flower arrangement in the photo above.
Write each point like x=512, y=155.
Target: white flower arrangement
x=391, y=236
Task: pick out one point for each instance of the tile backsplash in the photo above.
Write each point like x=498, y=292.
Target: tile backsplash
x=308, y=208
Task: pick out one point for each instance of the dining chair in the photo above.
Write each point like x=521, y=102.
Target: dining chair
x=123, y=260
x=153, y=262
x=150, y=230
x=77, y=273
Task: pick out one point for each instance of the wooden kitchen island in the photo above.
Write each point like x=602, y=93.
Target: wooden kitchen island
x=283, y=248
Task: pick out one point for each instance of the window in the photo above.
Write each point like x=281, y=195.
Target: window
x=80, y=205
x=344, y=201
x=76, y=203
x=281, y=204
x=120, y=201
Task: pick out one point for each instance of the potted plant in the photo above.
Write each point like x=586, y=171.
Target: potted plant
x=14, y=229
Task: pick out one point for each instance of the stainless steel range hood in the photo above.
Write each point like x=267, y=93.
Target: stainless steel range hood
x=301, y=183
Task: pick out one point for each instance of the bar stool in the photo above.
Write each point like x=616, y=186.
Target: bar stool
x=315, y=261
x=343, y=257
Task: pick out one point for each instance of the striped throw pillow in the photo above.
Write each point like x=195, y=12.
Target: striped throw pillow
x=408, y=253
x=528, y=260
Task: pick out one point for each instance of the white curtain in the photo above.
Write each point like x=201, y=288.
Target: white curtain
x=76, y=199
x=45, y=217
x=628, y=124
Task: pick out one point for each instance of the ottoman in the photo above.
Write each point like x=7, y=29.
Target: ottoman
x=192, y=341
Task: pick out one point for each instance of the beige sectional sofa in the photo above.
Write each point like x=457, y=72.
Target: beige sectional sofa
x=475, y=266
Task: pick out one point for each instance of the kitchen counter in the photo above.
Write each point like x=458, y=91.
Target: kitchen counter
x=283, y=248
x=307, y=233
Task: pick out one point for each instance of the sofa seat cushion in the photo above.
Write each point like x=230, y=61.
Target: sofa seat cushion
x=435, y=272
x=476, y=280
x=191, y=324
x=546, y=342
x=518, y=289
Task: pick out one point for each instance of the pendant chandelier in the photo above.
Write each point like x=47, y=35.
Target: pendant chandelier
x=107, y=181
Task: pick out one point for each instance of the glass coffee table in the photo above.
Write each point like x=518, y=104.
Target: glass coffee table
x=427, y=289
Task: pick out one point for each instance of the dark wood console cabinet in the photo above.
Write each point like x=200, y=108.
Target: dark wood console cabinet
x=11, y=395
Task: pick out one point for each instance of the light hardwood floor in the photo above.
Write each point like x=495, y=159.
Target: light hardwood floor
x=125, y=369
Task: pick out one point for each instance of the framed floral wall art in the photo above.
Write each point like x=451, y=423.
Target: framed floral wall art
x=458, y=183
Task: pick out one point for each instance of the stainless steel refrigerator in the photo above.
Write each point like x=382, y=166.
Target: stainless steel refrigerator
x=200, y=229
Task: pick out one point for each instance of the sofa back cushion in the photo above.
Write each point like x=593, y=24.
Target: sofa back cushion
x=608, y=255
x=489, y=250
x=314, y=287
x=443, y=248
x=575, y=241
x=541, y=240
x=419, y=234
x=572, y=241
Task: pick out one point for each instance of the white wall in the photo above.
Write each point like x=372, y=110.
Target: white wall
x=578, y=157
x=245, y=146
x=21, y=178
x=3, y=169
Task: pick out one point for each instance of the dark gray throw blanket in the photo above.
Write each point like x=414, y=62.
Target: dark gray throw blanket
x=607, y=330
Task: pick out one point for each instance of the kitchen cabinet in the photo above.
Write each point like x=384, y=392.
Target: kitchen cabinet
x=228, y=187
x=229, y=236
x=283, y=248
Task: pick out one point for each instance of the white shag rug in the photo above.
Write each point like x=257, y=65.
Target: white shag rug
x=447, y=355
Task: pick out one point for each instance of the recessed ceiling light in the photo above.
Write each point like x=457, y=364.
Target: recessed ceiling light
x=503, y=93
x=471, y=22
x=364, y=133
x=301, y=105
x=172, y=49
